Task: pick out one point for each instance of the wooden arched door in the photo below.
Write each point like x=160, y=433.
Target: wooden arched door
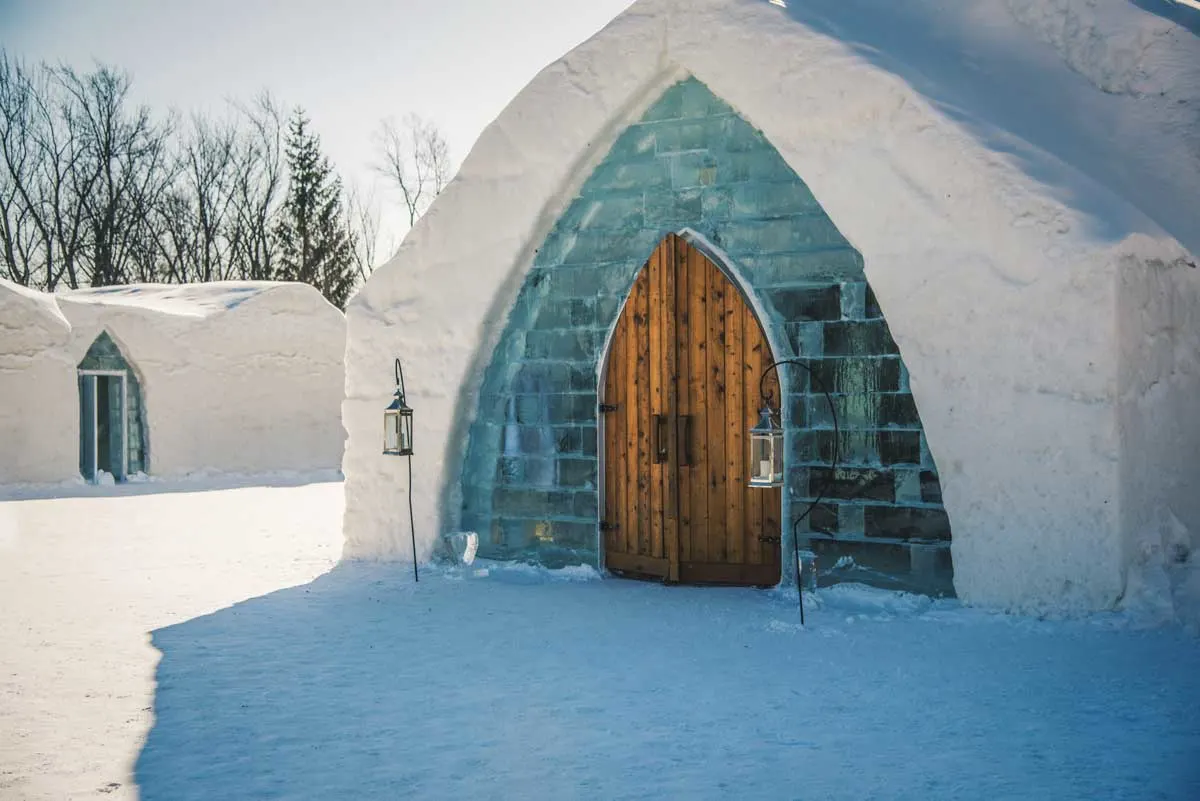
x=680, y=392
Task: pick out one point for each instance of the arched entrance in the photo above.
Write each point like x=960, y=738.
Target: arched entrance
x=535, y=469
x=680, y=391
x=111, y=437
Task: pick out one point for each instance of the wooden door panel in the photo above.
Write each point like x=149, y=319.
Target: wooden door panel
x=754, y=347
x=685, y=410
x=725, y=351
x=614, y=451
x=666, y=272
x=718, y=510
x=682, y=372
x=639, y=405
x=694, y=542
x=656, y=404
x=735, y=427
x=634, y=484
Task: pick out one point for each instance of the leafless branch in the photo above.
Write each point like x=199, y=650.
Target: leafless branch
x=415, y=158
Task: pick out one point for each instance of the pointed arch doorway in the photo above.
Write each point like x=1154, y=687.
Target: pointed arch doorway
x=111, y=438
x=679, y=393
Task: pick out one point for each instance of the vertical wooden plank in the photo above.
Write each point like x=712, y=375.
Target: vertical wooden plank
x=642, y=389
x=629, y=409
x=754, y=348
x=671, y=381
x=654, y=325
x=772, y=499
x=735, y=414
x=607, y=395
x=697, y=547
x=614, y=441
x=717, y=509
x=685, y=473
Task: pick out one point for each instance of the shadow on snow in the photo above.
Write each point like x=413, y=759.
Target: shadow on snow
x=364, y=685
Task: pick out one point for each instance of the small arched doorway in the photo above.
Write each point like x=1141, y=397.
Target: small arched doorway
x=111, y=437
x=680, y=391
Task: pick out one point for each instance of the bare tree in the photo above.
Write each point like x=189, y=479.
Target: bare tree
x=362, y=220
x=208, y=177
x=215, y=222
x=163, y=251
x=16, y=165
x=129, y=155
x=95, y=190
x=46, y=177
x=258, y=188
x=414, y=156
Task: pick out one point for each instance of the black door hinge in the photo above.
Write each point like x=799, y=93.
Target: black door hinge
x=607, y=526
x=605, y=408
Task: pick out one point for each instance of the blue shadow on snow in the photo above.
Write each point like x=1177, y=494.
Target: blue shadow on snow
x=362, y=685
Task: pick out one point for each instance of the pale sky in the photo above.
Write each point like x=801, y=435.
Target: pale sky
x=350, y=63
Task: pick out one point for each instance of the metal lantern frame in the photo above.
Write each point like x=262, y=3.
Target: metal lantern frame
x=398, y=421
x=769, y=434
x=766, y=450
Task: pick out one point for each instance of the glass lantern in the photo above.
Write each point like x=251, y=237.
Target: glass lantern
x=397, y=422
x=397, y=428
x=766, y=451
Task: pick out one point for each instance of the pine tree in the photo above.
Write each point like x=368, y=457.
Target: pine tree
x=314, y=245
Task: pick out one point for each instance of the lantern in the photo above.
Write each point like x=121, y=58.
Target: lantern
x=766, y=451
x=397, y=422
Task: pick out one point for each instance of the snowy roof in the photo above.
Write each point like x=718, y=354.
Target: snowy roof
x=31, y=300
x=1101, y=86
x=188, y=300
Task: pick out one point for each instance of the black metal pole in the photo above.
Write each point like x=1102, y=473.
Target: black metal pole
x=412, y=526
x=799, y=583
x=837, y=440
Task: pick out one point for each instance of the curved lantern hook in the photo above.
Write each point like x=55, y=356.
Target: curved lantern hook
x=768, y=399
x=399, y=380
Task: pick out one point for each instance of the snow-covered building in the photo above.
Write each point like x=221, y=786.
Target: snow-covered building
x=975, y=223
x=169, y=380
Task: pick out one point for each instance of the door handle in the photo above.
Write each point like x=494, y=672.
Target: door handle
x=660, y=439
x=684, y=432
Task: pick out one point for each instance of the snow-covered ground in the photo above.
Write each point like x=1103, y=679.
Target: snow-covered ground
x=84, y=580
x=525, y=684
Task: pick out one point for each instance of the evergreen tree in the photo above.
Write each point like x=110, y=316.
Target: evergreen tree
x=314, y=245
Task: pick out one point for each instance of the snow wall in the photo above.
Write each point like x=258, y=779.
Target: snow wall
x=998, y=246
x=1158, y=319
x=37, y=384
x=236, y=377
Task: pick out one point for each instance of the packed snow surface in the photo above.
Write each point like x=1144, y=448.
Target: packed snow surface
x=82, y=581
x=188, y=300
x=283, y=678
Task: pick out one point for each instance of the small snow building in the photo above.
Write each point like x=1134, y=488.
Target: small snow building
x=169, y=380
x=972, y=233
